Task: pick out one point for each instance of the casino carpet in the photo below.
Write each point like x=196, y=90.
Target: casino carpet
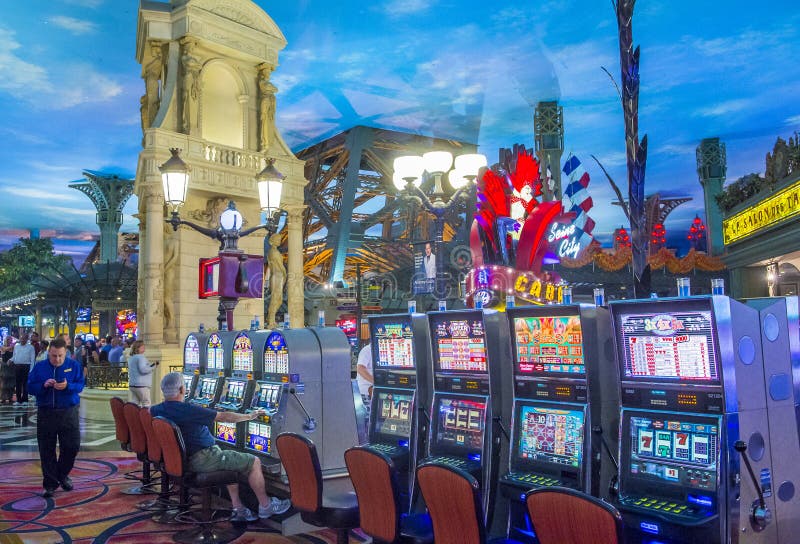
x=95, y=511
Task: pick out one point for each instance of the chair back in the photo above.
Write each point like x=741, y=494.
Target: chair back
x=566, y=516
x=138, y=438
x=173, y=450
x=299, y=457
x=374, y=479
x=120, y=425
x=153, y=447
x=453, y=498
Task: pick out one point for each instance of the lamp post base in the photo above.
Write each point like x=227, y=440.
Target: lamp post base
x=225, y=308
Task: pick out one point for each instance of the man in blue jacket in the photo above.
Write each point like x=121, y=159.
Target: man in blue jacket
x=56, y=383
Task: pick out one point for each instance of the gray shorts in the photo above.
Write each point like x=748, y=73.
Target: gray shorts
x=215, y=458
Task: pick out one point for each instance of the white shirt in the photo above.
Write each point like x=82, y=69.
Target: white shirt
x=429, y=262
x=24, y=355
x=365, y=360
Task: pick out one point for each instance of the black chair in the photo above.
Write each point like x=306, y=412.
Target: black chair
x=207, y=521
x=335, y=510
x=374, y=478
x=565, y=516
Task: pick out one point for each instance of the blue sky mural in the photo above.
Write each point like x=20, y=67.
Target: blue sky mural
x=468, y=70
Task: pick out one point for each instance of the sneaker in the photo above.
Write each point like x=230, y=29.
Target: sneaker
x=243, y=514
x=275, y=506
x=66, y=484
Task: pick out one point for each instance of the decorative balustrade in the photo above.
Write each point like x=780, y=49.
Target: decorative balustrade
x=230, y=156
x=106, y=376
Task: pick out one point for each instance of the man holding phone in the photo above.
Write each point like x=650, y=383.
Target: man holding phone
x=56, y=383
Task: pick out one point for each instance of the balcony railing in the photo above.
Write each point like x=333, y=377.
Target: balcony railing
x=106, y=376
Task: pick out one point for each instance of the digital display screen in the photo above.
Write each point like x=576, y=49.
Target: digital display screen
x=259, y=437
x=459, y=424
x=677, y=450
x=550, y=435
x=669, y=346
x=215, y=352
x=460, y=346
x=191, y=352
x=268, y=396
x=394, y=345
x=187, y=383
x=392, y=414
x=234, y=391
x=549, y=345
x=225, y=432
x=276, y=356
x=207, y=388
x=243, y=353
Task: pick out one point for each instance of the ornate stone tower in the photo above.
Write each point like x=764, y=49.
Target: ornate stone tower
x=206, y=66
x=108, y=193
x=711, y=170
x=548, y=132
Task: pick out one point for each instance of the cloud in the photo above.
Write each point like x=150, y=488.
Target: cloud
x=76, y=26
x=795, y=120
x=727, y=107
x=18, y=77
x=85, y=3
x=84, y=85
x=42, y=194
x=402, y=8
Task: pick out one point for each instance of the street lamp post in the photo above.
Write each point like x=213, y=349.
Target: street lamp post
x=409, y=173
x=175, y=178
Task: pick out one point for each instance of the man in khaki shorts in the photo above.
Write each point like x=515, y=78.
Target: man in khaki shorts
x=204, y=456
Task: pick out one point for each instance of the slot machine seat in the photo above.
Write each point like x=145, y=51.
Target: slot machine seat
x=175, y=463
x=123, y=432
x=138, y=445
x=453, y=497
x=334, y=510
x=374, y=478
x=163, y=504
x=565, y=516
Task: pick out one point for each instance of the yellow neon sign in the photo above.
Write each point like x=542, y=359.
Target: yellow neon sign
x=772, y=210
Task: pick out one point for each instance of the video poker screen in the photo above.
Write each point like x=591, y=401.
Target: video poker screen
x=460, y=425
x=459, y=345
x=550, y=435
x=672, y=449
x=225, y=432
x=549, y=345
x=234, y=391
x=207, y=388
x=258, y=437
x=673, y=346
x=191, y=352
x=215, y=352
x=393, y=344
x=268, y=396
x=392, y=414
x=243, y=353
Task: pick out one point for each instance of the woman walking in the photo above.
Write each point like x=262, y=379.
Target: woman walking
x=139, y=375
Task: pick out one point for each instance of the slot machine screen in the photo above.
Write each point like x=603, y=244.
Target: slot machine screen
x=676, y=450
x=215, y=352
x=391, y=415
x=393, y=345
x=225, y=432
x=207, y=388
x=187, y=383
x=276, y=355
x=550, y=436
x=459, y=346
x=243, y=353
x=234, y=391
x=191, y=352
x=674, y=346
x=549, y=345
x=268, y=396
x=258, y=437
x=459, y=425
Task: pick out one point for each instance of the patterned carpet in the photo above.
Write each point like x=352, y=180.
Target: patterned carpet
x=95, y=512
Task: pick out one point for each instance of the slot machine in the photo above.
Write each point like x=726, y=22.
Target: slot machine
x=467, y=410
x=290, y=392
x=209, y=384
x=779, y=319
x=194, y=361
x=237, y=389
x=694, y=429
x=564, y=419
x=401, y=393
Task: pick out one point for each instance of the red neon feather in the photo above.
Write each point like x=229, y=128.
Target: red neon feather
x=527, y=173
x=493, y=193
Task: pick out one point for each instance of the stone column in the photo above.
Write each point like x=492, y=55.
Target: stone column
x=151, y=269
x=294, y=279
